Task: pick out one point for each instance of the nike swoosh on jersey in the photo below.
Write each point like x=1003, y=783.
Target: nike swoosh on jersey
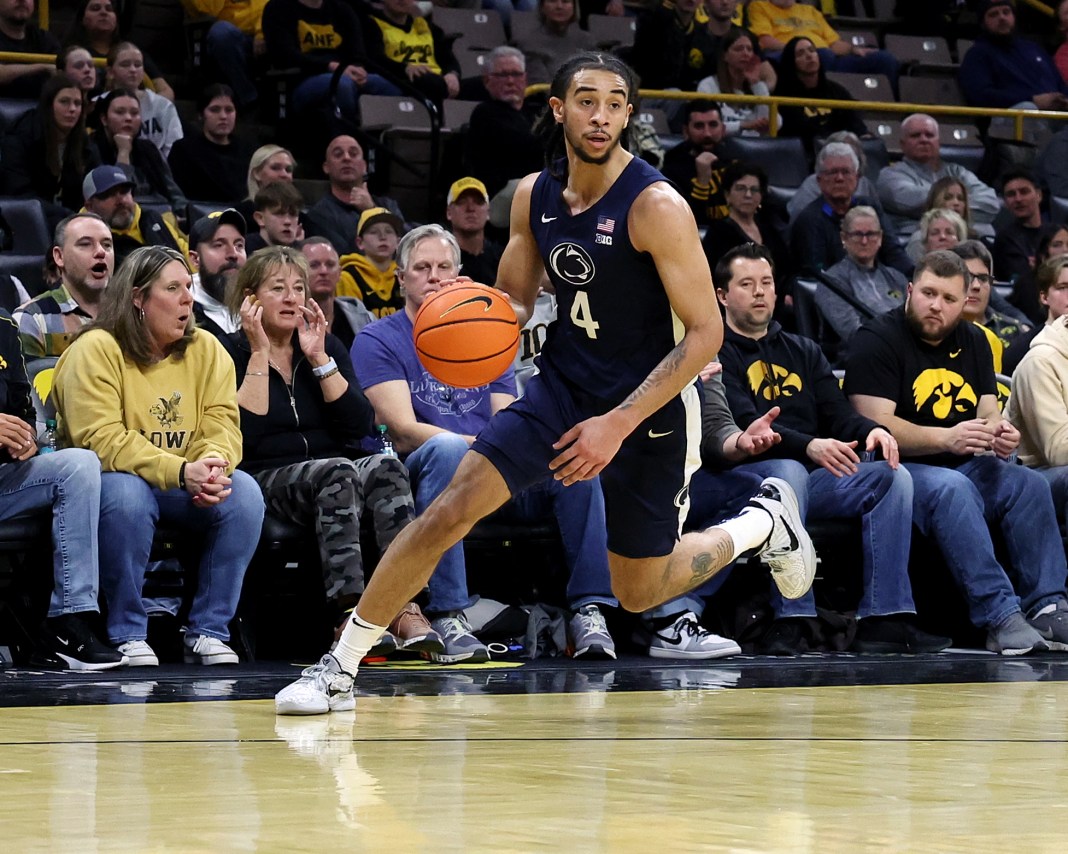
x=545, y=218
x=655, y=435
x=954, y=355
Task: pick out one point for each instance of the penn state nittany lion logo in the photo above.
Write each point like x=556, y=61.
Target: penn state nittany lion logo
x=166, y=411
x=940, y=392
x=572, y=263
x=772, y=381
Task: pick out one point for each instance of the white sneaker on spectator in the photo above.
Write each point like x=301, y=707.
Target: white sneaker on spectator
x=204, y=650
x=687, y=638
x=138, y=654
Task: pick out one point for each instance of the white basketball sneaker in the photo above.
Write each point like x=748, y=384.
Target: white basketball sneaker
x=788, y=551
x=322, y=688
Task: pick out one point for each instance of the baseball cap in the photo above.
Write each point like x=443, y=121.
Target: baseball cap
x=372, y=215
x=985, y=6
x=466, y=185
x=204, y=228
x=102, y=179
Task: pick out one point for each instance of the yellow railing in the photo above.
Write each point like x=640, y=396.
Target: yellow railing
x=1040, y=6
x=776, y=101
x=42, y=58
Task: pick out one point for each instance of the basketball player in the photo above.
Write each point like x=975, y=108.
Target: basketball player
x=616, y=394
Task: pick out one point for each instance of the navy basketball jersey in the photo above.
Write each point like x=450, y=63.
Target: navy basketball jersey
x=614, y=322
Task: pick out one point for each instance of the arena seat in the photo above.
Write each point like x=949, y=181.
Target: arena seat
x=28, y=269
x=471, y=28
x=612, y=31
x=920, y=51
x=29, y=228
x=921, y=89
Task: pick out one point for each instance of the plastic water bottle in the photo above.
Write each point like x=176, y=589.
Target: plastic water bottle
x=385, y=444
x=47, y=441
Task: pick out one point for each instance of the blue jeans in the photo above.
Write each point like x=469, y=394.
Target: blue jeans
x=877, y=62
x=68, y=483
x=230, y=49
x=316, y=90
x=130, y=509
x=506, y=7
x=579, y=513
x=1057, y=478
x=956, y=506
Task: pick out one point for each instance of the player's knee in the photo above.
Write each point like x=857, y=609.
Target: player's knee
x=635, y=594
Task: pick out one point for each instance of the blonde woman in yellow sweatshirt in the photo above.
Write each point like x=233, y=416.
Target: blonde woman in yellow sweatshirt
x=156, y=400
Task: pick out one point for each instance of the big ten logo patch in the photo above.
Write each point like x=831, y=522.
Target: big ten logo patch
x=940, y=393
x=772, y=381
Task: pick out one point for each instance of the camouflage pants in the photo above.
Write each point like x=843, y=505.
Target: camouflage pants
x=334, y=493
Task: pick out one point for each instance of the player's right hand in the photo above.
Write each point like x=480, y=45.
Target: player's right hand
x=586, y=449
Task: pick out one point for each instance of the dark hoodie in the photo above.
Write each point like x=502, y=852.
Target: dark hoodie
x=812, y=122
x=300, y=425
x=791, y=372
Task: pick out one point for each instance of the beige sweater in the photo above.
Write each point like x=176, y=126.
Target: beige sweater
x=1038, y=406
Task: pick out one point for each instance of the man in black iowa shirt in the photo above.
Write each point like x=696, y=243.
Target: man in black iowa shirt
x=929, y=378
x=763, y=368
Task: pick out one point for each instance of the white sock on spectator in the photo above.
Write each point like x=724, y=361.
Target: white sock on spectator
x=358, y=637
x=750, y=529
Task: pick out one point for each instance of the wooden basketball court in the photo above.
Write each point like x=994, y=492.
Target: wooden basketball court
x=827, y=753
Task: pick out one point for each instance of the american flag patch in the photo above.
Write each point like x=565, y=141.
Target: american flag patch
x=606, y=224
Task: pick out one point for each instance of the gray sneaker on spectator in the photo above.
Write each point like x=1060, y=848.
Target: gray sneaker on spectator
x=588, y=634
x=460, y=645
x=1053, y=626
x=687, y=638
x=1015, y=636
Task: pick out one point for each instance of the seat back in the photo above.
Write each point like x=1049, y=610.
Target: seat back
x=29, y=228
x=12, y=109
x=925, y=50
x=783, y=158
x=612, y=31
x=29, y=269
x=806, y=313
x=942, y=89
x=864, y=87
x=380, y=112
x=471, y=28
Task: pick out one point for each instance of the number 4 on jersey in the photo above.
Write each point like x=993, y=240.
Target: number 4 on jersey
x=580, y=314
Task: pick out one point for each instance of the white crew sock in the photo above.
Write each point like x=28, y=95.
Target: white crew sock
x=358, y=637
x=750, y=529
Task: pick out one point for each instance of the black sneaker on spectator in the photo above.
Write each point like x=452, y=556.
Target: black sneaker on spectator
x=785, y=637
x=895, y=634
x=1052, y=623
x=69, y=639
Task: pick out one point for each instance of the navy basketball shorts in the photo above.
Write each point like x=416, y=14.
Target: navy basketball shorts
x=646, y=485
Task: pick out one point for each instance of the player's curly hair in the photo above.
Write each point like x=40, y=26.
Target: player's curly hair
x=551, y=132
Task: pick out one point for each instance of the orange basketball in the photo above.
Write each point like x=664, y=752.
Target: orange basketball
x=466, y=335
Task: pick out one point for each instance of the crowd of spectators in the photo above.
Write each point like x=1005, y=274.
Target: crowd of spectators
x=228, y=349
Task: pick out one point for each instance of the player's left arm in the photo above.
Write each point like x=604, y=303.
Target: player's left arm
x=521, y=272
x=660, y=223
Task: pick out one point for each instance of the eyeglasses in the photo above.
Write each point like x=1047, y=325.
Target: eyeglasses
x=863, y=235
x=746, y=190
x=982, y=278
x=508, y=75
x=838, y=173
